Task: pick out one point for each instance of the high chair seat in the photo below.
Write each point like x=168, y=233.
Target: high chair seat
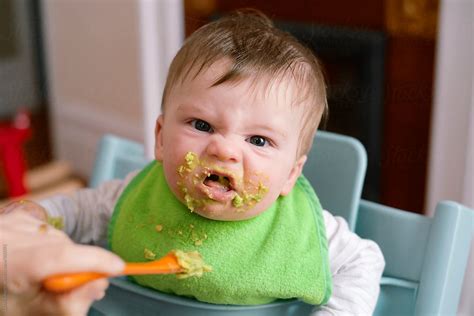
x=127, y=298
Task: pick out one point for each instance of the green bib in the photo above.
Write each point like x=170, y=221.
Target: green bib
x=279, y=254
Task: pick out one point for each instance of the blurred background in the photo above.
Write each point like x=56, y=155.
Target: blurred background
x=399, y=77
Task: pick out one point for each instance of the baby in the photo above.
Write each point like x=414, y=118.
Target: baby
x=240, y=108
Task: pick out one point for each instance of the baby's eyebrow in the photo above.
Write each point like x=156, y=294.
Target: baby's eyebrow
x=184, y=107
x=269, y=129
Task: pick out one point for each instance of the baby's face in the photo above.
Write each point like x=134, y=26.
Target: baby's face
x=229, y=151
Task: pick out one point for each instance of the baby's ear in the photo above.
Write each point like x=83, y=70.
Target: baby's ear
x=294, y=174
x=159, y=138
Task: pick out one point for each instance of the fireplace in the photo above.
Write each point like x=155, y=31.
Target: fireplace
x=354, y=65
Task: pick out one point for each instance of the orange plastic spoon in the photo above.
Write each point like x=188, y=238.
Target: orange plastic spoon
x=60, y=283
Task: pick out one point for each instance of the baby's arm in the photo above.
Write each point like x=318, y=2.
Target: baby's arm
x=87, y=212
x=356, y=267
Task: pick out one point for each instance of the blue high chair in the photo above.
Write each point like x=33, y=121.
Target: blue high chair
x=425, y=257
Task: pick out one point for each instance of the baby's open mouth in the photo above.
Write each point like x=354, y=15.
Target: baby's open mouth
x=219, y=187
x=218, y=182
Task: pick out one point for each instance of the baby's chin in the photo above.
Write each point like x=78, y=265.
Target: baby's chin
x=219, y=213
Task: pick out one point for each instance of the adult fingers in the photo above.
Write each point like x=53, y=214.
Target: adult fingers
x=29, y=207
x=69, y=258
x=76, y=302
x=24, y=233
x=35, y=252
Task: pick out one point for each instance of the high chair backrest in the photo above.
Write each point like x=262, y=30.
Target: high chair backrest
x=115, y=158
x=425, y=257
x=336, y=168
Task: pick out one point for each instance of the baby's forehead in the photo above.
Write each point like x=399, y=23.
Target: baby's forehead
x=259, y=84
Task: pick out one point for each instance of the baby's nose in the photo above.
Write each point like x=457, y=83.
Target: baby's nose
x=223, y=149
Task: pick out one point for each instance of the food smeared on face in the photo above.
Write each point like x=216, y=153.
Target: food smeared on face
x=237, y=201
x=203, y=183
x=249, y=199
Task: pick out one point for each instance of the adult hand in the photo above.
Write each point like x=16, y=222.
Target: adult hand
x=31, y=251
x=29, y=207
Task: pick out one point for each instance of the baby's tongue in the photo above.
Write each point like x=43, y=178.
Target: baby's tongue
x=216, y=185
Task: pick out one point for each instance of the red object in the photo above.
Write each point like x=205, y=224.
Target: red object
x=12, y=138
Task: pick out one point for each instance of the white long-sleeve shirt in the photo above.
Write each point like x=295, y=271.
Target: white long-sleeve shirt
x=356, y=264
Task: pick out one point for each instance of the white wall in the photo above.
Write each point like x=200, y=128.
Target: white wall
x=18, y=73
x=106, y=64
x=453, y=106
x=161, y=34
x=451, y=161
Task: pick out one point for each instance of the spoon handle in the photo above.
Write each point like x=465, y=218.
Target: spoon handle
x=64, y=282
x=60, y=283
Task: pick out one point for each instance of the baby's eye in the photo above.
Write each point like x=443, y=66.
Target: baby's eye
x=258, y=141
x=201, y=125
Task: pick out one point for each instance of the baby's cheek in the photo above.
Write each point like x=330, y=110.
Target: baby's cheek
x=255, y=188
x=187, y=180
